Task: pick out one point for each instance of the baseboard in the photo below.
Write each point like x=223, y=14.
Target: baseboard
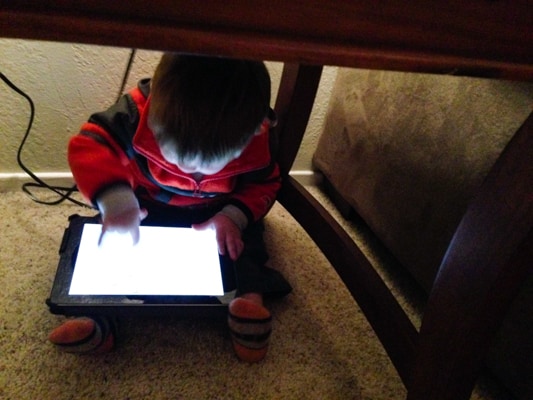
x=306, y=177
x=13, y=181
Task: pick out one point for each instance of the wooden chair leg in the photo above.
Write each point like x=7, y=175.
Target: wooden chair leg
x=489, y=257
x=398, y=335
x=296, y=95
x=385, y=315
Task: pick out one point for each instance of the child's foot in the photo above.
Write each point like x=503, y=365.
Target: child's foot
x=84, y=335
x=250, y=325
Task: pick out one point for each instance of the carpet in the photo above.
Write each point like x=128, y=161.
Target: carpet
x=321, y=348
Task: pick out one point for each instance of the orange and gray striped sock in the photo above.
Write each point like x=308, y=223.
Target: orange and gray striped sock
x=84, y=335
x=250, y=326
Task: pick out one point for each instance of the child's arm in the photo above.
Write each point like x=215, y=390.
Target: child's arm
x=252, y=199
x=99, y=167
x=250, y=203
x=256, y=191
x=255, y=198
x=99, y=154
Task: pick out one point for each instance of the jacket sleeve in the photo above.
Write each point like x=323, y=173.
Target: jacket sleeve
x=98, y=154
x=255, y=199
x=257, y=191
x=97, y=162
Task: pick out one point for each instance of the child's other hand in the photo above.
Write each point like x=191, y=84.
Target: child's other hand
x=126, y=222
x=228, y=235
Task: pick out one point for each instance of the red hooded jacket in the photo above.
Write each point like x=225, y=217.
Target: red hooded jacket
x=117, y=147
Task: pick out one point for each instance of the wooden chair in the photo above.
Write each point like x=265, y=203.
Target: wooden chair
x=491, y=252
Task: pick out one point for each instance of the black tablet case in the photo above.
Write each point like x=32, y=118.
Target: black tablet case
x=60, y=302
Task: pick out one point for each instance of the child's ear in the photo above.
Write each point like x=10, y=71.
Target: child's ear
x=265, y=125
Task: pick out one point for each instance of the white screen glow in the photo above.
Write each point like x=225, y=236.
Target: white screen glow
x=165, y=261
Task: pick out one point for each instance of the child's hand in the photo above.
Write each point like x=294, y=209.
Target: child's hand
x=228, y=235
x=120, y=212
x=126, y=222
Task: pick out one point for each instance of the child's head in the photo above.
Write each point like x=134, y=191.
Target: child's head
x=205, y=110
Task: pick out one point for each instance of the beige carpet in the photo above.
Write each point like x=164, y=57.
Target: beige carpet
x=322, y=347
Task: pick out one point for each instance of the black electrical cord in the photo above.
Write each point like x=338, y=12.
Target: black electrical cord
x=126, y=73
x=64, y=193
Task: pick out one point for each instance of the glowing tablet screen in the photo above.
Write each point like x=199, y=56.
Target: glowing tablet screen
x=165, y=261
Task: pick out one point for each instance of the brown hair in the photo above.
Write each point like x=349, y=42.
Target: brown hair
x=207, y=106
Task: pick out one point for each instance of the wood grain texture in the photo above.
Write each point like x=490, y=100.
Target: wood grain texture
x=476, y=38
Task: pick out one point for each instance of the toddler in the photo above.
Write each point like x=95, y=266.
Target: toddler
x=191, y=146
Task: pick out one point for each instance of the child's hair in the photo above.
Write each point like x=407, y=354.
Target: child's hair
x=207, y=107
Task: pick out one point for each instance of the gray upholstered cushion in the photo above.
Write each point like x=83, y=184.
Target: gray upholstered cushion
x=407, y=152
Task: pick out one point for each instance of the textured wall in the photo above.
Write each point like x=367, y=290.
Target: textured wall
x=68, y=82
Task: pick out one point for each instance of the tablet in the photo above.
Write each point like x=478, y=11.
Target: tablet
x=171, y=270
